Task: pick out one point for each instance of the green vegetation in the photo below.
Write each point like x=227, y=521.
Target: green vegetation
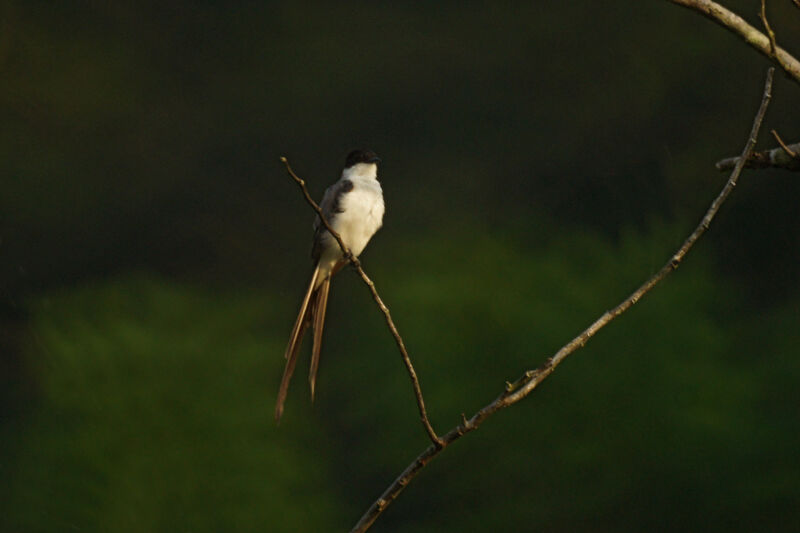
x=155, y=401
x=152, y=252
x=155, y=415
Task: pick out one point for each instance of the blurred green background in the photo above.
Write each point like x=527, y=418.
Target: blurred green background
x=540, y=161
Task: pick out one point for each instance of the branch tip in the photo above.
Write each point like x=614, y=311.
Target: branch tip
x=791, y=153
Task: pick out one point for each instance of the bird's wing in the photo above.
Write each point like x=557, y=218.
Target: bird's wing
x=330, y=205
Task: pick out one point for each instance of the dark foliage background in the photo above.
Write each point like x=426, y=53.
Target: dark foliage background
x=539, y=162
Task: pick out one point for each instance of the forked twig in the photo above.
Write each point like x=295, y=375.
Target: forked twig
x=385, y=310
x=518, y=390
x=784, y=157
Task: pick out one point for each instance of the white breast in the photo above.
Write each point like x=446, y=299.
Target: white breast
x=362, y=214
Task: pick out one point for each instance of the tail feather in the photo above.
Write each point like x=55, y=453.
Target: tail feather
x=300, y=326
x=318, y=310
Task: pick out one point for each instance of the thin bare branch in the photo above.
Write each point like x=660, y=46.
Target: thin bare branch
x=791, y=153
x=771, y=34
x=378, y=300
x=514, y=392
x=751, y=36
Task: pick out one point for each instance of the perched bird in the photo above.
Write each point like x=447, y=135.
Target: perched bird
x=353, y=206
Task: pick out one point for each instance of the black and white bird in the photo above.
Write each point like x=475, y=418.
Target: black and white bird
x=353, y=206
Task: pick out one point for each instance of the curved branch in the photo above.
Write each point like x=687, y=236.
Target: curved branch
x=733, y=22
x=530, y=380
x=385, y=310
x=791, y=153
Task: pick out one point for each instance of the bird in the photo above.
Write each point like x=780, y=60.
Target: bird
x=354, y=208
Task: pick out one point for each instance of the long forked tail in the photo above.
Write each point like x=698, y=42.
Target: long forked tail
x=318, y=312
x=300, y=326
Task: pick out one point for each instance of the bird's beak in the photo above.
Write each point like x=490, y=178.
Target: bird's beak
x=375, y=159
